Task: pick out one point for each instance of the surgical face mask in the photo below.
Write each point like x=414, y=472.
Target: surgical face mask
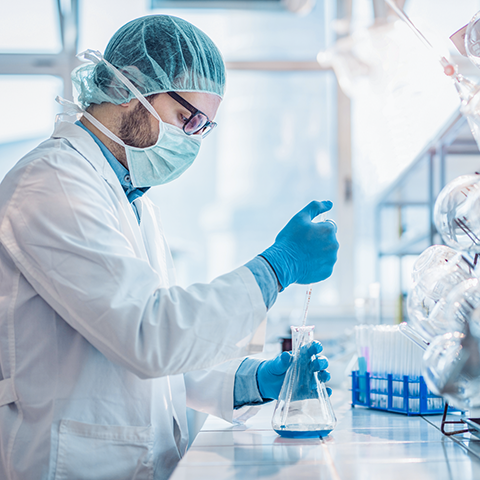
x=161, y=163
x=168, y=158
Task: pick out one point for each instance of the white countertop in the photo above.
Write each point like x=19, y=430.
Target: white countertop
x=365, y=445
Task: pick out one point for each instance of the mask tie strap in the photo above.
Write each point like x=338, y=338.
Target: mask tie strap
x=96, y=57
x=73, y=109
x=70, y=109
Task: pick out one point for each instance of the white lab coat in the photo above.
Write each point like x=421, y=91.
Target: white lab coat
x=94, y=342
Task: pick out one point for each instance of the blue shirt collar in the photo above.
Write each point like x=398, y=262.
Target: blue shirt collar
x=120, y=171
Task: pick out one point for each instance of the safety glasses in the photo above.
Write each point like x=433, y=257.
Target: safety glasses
x=198, y=122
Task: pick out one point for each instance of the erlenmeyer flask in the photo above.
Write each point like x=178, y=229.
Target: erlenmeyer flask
x=303, y=407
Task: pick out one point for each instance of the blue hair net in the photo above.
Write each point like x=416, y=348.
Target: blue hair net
x=157, y=53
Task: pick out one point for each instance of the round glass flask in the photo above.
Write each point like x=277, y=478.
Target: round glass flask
x=434, y=257
x=436, y=275
x=450, y=369
x=472, y=40
x=303, y=407
x=457, y=212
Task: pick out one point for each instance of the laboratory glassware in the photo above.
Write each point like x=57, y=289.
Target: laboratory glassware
x=449, y=69
x=322, y=217
x=451, y=369
x=426, y=300
x=472, y=40
x=413, y=335
x=303, y=407
x=389, y=371
x=468, y=91
x=425, y=315
x=462, y=307
x=440, y=278
x=457, y=213
x=434, y=256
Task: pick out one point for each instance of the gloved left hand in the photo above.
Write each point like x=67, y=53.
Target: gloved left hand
x=271, y=373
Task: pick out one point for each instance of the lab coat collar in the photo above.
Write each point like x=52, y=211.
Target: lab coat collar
x=86, y=146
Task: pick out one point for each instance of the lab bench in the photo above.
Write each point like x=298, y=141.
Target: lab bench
x=365, y=445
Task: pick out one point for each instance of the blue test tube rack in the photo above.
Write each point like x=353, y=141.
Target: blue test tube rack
x=405, y=395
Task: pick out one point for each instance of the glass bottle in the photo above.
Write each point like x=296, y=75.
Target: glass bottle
x=303, y=407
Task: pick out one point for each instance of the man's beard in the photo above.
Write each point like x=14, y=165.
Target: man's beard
x=136, y=130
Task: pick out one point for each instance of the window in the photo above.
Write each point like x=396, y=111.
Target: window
x=29, y=26
x=28, y=114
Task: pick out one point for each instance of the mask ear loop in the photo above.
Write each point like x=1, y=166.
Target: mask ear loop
x=96, y=57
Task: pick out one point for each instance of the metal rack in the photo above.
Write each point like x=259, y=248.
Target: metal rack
x=404, y=213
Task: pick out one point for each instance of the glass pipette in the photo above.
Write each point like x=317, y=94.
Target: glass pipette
x=467, y=90
x=449, y=69
x=308, y=294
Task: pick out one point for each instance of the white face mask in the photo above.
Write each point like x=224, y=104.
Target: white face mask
x=165, y=161
x=161, y=163
x=173, y=152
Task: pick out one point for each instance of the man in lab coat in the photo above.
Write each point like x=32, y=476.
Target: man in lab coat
x=100, y=351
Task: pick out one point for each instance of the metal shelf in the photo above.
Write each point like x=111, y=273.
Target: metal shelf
x=406, y=247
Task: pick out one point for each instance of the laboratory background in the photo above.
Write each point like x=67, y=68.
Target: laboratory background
x=344, y=100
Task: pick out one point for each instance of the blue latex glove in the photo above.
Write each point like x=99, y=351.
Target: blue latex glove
x=304, y=252
x=271, y=373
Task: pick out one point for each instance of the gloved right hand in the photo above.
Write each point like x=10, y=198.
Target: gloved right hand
x=304, y=252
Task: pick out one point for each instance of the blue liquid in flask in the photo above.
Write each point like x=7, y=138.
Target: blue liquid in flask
x=303, y=433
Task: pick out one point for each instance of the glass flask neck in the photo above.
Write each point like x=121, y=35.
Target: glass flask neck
x=466, y=88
